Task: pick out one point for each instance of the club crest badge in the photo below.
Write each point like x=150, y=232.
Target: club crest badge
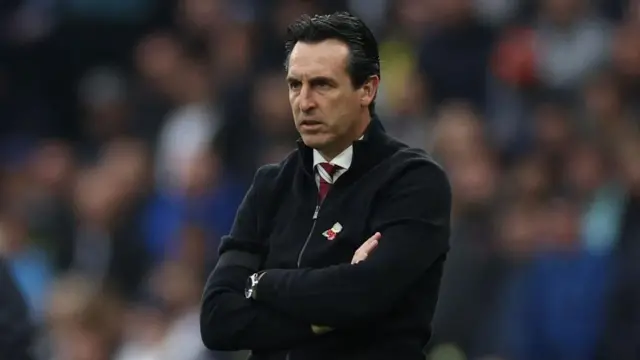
x=333, y=232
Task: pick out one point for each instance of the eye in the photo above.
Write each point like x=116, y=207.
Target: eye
x=294, y=85
x=322, y=84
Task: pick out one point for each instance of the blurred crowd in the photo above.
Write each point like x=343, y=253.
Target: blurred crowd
x=131, y=129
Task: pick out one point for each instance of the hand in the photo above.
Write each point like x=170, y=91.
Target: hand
x=365, y=249
x=360, y=255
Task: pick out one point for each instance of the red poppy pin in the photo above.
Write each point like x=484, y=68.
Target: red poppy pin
x=333, y=232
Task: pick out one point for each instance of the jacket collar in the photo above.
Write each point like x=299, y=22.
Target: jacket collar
x=367, y=152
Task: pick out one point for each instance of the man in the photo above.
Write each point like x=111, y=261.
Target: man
x=15, y=327
x=288, y=285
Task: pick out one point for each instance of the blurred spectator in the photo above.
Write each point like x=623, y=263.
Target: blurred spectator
x=85, y=322
x=619, y=339
x=206, y=196
x=273, y=116
x=605, y=109
x=104, y=248
x=570, y=42
x=557, y=304
x=190, y=126
x=29, y=263
x=454, y=58
x=103, y=97
x=167, y=325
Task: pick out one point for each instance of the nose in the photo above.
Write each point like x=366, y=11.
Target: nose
x=306, y=102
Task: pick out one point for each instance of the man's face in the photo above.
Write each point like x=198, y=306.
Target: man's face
x=326, y=108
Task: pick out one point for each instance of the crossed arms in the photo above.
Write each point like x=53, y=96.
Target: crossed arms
x=413, y=219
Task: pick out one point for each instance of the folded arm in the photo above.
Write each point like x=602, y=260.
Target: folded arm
x=414, y=221
x=229, y=321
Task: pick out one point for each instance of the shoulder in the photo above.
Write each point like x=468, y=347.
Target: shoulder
x=417, y=167
x=416, y=187
x=268, y=176
x=414, y=180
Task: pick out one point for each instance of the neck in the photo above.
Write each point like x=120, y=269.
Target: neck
x=329, y=155
x=335, y=149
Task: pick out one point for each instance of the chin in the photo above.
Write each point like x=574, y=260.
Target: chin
x=315, y=141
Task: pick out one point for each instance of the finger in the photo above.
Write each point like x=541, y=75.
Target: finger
x=358, y=258
x=370, y=244
x=361, y=256
x=366, y=248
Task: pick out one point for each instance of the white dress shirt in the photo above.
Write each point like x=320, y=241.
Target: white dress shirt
x=343, y=161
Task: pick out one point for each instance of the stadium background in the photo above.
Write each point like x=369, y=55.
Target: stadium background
x=130, y=130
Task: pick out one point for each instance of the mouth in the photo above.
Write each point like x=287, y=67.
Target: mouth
x=310, y=124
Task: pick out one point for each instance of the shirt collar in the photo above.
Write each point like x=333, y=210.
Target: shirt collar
x=343, y=160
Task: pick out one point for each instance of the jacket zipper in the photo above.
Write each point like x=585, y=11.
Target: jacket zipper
x=304, y=246
x=306, y=242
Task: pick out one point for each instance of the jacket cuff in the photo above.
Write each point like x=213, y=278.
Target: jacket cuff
x=267, y=286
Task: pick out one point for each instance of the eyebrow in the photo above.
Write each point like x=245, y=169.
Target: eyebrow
x=315, y=79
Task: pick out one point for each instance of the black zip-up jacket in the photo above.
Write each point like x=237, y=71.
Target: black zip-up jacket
x=15, y=326
x=380, y=308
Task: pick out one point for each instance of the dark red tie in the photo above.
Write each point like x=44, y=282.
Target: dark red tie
x=325, y=184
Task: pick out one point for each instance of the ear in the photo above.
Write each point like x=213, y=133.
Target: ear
x=369, y=90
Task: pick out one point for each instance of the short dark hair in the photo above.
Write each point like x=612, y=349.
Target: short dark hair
x=364, y=58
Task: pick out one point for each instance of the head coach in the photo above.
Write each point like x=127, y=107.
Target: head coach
x=336, y=252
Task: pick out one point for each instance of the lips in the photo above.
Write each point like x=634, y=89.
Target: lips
x=310, y=122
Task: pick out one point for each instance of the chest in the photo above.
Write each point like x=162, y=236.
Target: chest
x=304, y=233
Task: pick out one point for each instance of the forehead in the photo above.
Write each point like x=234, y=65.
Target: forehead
x=326, y=58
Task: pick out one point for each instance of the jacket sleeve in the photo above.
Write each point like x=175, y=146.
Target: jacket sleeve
x=414, y=220
x=15, y=326
x=229, y=321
